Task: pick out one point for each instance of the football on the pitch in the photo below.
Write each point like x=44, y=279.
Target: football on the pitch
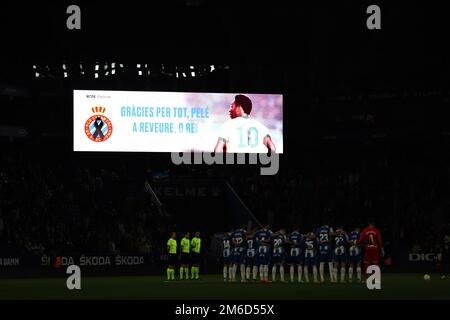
x=426, y=277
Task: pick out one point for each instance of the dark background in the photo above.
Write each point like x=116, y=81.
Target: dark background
x=308, y=52
x=359, y=103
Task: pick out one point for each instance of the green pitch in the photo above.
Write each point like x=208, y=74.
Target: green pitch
x=394, y=286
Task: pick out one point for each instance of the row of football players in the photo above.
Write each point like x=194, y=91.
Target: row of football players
x=255, y=250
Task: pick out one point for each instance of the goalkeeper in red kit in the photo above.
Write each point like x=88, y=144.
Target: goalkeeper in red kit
x=371, y=240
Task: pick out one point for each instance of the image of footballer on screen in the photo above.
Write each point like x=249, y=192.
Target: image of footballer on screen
x=243, y=134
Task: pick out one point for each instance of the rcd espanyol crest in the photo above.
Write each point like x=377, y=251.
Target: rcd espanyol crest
x=98, y=128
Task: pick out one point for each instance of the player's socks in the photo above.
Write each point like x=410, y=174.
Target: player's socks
x=225, y=273
x=168, y=273
x=342, y=274
x=335, y=274
x=292, y=273
x=330, y=269
x=274, y=273
x=315, y=274
x=242, y=272
x=172, y=274
x=358, y=273
x=300, y=273
x=282, y=273
x=234, y=272
x=305, y=271
x=197, y=272
x=350, y=273
x=248, y=273
x=266, y=272
x=230, y=273
x=255, y=272
x=261, y=272
x=321, y=271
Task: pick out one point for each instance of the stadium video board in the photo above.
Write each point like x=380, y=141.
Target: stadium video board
x=150, y=121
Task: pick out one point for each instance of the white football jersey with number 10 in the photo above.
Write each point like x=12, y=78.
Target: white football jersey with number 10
x=244, y=135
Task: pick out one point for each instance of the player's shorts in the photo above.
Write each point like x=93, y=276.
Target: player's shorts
x=340, y=258
x=327, y=257
x=263, y=258
x=195, y=258
x=238, y=257
x=250, y=260
x=227, y=260
x=371, y=255
x=172, y=259
x=310, y=261
x=184, y=258
x=355, y=259
x=278, y=259
x=294, y=257
x=294, y=260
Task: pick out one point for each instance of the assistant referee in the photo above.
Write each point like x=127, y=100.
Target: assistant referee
x=196, y=258
x=172, y=250
x=185, y=249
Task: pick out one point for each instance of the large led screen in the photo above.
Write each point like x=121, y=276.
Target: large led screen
x=143, y=121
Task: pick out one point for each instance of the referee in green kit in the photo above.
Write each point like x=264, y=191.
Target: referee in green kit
x=195, y=260
x=185, y=245
x=172, y=250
